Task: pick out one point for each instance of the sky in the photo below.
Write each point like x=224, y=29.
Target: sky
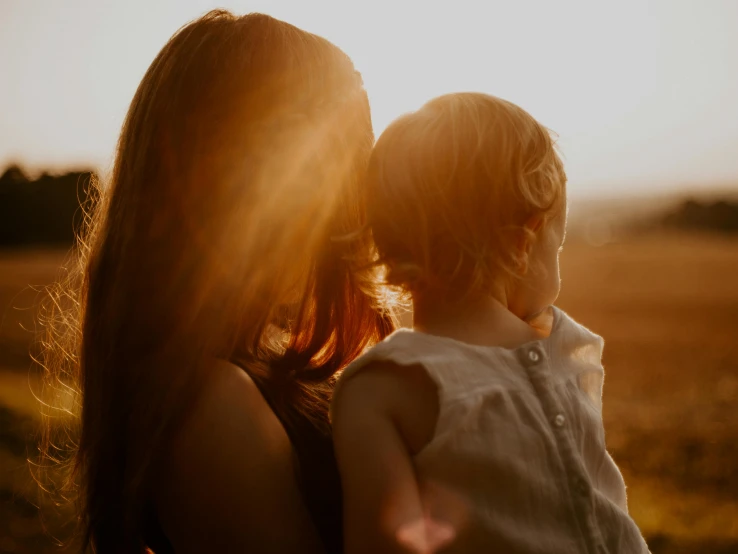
x=642, y=93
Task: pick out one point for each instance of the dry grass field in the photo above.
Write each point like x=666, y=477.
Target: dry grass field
x=667, y=306
x=22, y=530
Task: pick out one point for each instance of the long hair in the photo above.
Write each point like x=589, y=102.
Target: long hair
x=221, y=233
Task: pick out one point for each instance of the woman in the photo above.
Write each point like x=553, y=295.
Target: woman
x=217, y=296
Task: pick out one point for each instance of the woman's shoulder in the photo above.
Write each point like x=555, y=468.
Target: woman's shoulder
x=230, y=394
x=228, y=381
x=230, y=473
x=230, y=405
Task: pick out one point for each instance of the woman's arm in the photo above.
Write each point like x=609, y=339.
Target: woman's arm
x=383, y=510
x=230, y=485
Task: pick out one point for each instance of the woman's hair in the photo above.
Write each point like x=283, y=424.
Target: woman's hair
x=451, y=185
x=221, y=233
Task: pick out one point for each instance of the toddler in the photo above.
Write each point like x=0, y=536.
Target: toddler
x=480, y=429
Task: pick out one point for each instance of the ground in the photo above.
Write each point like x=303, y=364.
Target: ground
x=667, y=306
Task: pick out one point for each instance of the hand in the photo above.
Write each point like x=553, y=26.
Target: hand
x=426, y=535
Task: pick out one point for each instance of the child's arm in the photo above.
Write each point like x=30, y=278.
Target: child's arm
x=381, y=495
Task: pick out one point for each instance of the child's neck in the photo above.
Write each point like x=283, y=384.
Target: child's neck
x=483, y=321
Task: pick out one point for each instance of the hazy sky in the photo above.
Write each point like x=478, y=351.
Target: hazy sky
x=644, y=94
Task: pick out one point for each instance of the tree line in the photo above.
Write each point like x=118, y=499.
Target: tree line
x=46, y=211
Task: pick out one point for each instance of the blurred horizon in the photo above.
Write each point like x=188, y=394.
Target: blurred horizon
x=657, y=191
x=640, y=93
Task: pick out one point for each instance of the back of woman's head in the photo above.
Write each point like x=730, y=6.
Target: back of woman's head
x=450, y=188
x=235, y=178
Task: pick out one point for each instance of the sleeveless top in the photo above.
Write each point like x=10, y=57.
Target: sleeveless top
x=517, y=462
x=317, y=477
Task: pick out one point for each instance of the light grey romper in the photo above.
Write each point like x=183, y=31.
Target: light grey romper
x=519, y=452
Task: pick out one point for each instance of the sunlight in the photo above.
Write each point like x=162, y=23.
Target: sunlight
x=634, y=101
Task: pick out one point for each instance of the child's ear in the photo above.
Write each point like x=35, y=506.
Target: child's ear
x=526, y=240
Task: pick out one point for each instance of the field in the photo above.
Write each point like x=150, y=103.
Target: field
x=667, y=306
x=22, y=530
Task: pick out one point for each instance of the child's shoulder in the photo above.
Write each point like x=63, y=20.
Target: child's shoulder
x=391, y=384
x=405, y=347
x=408, y=361
x=395, y=364
x=407, y=352
x=573, y=342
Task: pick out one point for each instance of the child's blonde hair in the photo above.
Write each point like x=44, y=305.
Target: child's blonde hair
x=451, y=186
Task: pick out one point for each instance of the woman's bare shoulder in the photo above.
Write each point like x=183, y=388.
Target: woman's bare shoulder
x=229, y=480
x=230, y=407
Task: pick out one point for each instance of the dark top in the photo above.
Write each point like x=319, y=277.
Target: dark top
x=317, y=478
